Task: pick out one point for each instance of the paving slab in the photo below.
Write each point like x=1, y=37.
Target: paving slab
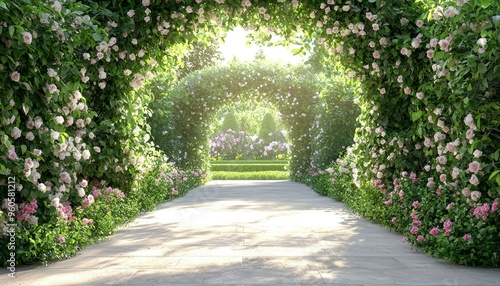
x=252, y=233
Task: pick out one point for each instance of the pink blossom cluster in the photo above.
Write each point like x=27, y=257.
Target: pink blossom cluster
x=27, y=211
x=484, y=210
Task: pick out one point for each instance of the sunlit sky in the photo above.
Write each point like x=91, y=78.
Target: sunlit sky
x=235, y=45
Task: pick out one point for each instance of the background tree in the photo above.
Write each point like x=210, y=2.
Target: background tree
x=267, y=129
x=230, y=122
x=199, y=55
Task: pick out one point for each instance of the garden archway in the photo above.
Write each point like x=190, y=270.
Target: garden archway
x=188, y=109
x=430, y=81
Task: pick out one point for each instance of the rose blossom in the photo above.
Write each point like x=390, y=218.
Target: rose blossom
x=475, y=167
x=15, y=76
x=86, y=154
x=15, y=133
x=27, y=37
x=475, y=195
x=434, y=231
x=474, y=180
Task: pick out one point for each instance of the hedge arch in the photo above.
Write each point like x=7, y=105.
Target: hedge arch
x=188, y=109
x=429, y=72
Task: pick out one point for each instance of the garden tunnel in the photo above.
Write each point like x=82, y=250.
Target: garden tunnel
x=429, y=75
x=188, y=109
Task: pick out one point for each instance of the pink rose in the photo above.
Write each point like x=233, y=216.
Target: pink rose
x=475, y=167
x=15, y=76
x=434, y=231
x=474, y=180
x=475, y=195
x=27, y=37
x=444, y=45
x=466, y=192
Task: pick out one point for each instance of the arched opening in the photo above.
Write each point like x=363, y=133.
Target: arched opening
x=195, y=100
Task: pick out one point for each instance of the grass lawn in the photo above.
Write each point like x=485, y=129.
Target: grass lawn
x=249, y=170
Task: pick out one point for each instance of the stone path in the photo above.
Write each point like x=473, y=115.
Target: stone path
x=252, y=233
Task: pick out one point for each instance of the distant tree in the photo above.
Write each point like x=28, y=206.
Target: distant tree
x=260, y=56
x=267, y=129
x=230, y=122
x=198, y=56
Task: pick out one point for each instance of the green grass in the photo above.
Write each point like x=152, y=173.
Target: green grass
x=248, y=167
x=249, y=170
x=259, y=162
x=261, y=175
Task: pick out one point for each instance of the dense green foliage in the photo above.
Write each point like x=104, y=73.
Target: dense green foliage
x=267, y=129
x=230, y=123
x=428, y=138
x=249, y=113
x=241, y=167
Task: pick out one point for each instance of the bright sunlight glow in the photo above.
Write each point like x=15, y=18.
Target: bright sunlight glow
x=234, y=46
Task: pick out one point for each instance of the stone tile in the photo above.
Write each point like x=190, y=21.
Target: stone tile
x=262, y=276
x=437, y=277
x=288, y=251
x=55, y=277
x=157, y=277
x=357, y=276
x=210, y=262
x=140, y=262
x=202, y=251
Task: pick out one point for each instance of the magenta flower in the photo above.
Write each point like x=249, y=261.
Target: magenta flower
x=447, y=225
x=416, y=204
x=467, y=236
x=434, y=231
x=414, y=230
x=420, y=238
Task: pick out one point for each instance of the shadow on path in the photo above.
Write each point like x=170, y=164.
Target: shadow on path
x=252, y=232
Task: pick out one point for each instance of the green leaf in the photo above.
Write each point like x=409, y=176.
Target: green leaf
x=416, y=115
x=2, y=5
x=23, y=149
x=485, y=3
x=26, y=108
x=496, y=20
x=11, y=30
x=494, y=174
x=482, y=68
x=96, y=37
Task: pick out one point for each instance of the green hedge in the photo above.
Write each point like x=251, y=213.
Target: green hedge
x=263, y=175
x=254, y=162
x=248, y=167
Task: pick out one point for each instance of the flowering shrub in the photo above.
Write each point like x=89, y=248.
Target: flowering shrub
x=231, y=145
x=464, y=230
x=428, y=72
